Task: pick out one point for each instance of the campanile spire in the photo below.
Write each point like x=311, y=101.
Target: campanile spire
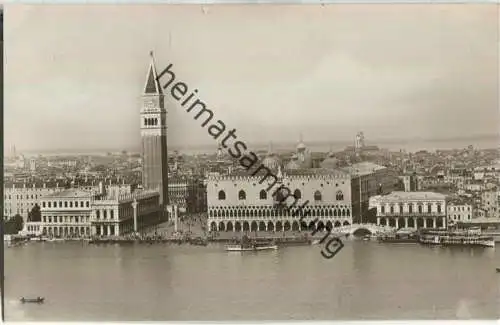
x=152, y=85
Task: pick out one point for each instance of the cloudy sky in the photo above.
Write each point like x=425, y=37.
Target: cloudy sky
x=74, y=74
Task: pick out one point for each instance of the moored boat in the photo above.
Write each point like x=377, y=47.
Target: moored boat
x=498, y=269
x=470, y=237
x=250, y=247
x=246, y=245
x=198, y=241
x=401, y=237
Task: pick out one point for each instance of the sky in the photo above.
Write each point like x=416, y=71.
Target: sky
x=74, y=74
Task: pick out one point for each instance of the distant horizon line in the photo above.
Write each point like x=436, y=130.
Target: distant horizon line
x=260, y=144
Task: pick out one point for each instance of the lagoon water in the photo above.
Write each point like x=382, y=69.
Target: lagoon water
x=366, y=280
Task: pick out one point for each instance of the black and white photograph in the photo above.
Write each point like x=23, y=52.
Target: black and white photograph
x=251, y=162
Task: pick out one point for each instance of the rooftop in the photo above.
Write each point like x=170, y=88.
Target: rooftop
x=70, y=193
x=315, y=171
x=363, y=168
x=402, y=196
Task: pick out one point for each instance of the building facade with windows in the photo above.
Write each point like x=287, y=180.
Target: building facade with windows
x=490, y=202
x=117, y=214
x=368, y=180
x=458, y=211
x=410, y=209
x=241, y=202
x=189, y=194
x=20, y=198
x=66, y=214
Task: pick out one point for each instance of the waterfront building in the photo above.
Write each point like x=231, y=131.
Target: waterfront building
x=32, y=228
x=367, y=180
x=20, y=198
x=410, y=209
x=119, y=212
x=241, y=202
x=458, y=211
x=66, y=213
x=153, y=117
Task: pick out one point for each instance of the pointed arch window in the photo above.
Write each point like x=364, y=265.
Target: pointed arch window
x=339, y=196
x=242, y=195
x=263, y=195
x=317, y=196
x=222, y=195
x=297, y=194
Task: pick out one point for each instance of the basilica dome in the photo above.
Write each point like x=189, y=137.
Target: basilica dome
x=330, y=161
x=271, y=161
x=293, y=163
x=301, y=146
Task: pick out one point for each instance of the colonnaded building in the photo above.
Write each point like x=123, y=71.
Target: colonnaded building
x=75, y=213
x=239, y=202
x=410, y=209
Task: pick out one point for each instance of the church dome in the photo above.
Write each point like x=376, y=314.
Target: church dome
x=301, y=146
x=330, y=161
x=293, y=163
x=271, y=161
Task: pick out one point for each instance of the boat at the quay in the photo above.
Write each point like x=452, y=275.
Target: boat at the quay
x=247, y=244
x=250, y=247
x=402, y=236
x=469, y=237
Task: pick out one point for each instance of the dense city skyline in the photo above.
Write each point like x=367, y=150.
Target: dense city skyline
x=432, y=80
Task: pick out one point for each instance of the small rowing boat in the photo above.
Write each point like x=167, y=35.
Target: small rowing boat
x=37, y=300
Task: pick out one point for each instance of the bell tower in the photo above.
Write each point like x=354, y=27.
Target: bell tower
x=153, y=119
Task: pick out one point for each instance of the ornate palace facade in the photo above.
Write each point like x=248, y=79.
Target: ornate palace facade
x=241, y=202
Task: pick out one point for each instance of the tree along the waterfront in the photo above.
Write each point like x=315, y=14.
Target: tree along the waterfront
x=13, y=225
x=35, y=215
